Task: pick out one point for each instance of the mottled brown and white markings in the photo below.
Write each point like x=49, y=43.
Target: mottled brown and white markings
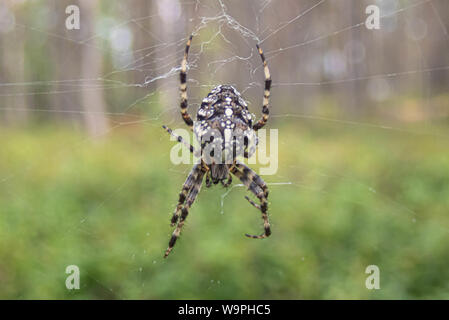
x=266, y=95
x=222, y=119
x=183, y=85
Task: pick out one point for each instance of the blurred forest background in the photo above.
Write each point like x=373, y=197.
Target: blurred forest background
x=86, y=177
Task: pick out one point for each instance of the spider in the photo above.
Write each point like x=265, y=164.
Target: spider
x=222, y=120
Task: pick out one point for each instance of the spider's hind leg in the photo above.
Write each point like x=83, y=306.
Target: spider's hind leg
x=266, y=95
x=183, y=86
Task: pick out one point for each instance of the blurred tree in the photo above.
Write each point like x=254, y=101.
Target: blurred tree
x=91, y=68
x=12, y=66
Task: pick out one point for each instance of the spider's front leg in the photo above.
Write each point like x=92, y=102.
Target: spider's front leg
x=228, y=182
x=208, y=181
x=186, y=188
x=258, y=187
x=195, y=179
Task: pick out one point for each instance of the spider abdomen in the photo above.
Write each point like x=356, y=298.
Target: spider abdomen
x=224, y=126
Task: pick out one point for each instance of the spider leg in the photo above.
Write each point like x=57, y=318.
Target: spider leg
x=255, y=205
x=196, y=187
x=228, y=182
x=179, y=139
x=258, y=187
x=208, y=181
x=186, y=188
x=183, y=86
x=266, y=95
x=253, y=176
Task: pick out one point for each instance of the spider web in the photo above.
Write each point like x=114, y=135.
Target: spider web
x=301, y=72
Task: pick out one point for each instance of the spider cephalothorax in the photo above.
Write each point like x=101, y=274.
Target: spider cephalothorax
x=225, y=130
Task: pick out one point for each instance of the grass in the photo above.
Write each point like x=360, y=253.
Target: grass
x=358, y=196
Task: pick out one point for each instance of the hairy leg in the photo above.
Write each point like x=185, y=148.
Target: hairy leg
x=179, y=139
x=266, y=96
x=253, y=176
x=228, y=181
x=186, y=188
x=196, y=187
x=183, y=86
x=258, y=187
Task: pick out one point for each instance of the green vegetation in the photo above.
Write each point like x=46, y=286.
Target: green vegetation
x=358, y=196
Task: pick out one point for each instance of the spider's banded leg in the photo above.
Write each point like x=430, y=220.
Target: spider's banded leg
x=255, y=205
x=185, y=211
x=266, y=95
x=253, y=176
x=208, y=182
x=186, y=188
x=183, y=86
x=258, y=191
x=228, y=182
x=179, y=139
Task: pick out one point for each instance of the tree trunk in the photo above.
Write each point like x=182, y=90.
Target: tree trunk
x=93, y=101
